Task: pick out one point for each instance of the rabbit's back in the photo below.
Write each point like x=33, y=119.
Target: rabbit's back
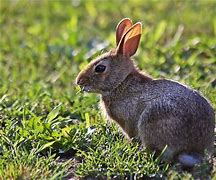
x=181, y=98
x=176, y=116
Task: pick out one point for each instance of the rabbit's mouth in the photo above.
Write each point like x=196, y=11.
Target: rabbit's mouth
x=89, y=89
x=86, y=89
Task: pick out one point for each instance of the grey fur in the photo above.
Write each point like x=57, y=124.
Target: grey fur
x=159, y=112
x=169, y=114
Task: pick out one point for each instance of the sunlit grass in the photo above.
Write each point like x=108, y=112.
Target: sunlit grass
x=44, y=116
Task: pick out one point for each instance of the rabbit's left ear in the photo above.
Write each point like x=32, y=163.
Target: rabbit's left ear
x=130, y=41
x=122, y=28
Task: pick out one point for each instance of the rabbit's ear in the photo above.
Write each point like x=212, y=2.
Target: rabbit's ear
x=130, y=41
x=122, y=28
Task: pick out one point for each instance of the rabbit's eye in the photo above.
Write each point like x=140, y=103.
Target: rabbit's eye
x=100, y=68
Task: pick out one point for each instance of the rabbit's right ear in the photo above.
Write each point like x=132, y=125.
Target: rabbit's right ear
x=122, y=28
x=130, y=41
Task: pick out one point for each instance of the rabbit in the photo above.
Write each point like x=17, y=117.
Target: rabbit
x=160, y=112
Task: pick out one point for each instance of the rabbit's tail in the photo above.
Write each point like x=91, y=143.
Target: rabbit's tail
x=189, y=160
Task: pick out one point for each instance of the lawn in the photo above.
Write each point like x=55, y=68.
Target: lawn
x=48, y=128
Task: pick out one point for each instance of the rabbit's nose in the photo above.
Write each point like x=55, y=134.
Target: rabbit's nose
x=80, y=81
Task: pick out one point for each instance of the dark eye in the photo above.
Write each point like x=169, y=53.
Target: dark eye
x=100, y=68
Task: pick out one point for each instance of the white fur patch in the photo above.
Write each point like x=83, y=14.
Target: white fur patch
x=189, y=160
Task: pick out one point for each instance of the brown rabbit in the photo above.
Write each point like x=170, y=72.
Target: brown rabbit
x=162, y=113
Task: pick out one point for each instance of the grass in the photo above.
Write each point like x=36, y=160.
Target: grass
x=50, y=130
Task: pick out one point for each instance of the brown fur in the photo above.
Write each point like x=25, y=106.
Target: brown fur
x=159, y=112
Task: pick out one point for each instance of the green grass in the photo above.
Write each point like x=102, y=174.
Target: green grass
x=48, y=129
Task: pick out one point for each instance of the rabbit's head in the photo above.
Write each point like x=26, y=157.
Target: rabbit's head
x=105, y=73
